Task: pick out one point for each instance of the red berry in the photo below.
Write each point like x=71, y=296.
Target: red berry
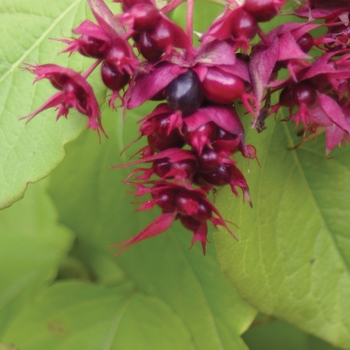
x=112, y=78
x=244, y=25
x=58, y=80
x=162, y=35
x=262, y=10
x=221, y=87
x=304, y=94
x=219, y=177
x=147, y=48
x=204, y=135
x=92, y=47
x=190, y=223
x=116, y=54
x=145, y=16
x=306, y=42
x=208, y=160
x=165, y=200
x=286, y=97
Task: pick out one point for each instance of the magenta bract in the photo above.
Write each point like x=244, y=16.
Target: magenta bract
x=75, y=93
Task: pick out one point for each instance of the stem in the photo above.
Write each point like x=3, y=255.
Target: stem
x=263, y=37
x=173, y=5
x=189, y=19
x=92, y=68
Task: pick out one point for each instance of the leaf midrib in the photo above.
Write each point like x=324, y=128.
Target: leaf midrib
x=39, y=40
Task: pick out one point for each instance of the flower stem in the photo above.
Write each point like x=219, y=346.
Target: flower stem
x=189, y=19
x=263, y=37
x=92, y=68
x=171, y=6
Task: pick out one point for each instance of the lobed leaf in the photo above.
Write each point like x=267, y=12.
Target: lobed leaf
x=29, y=152
x=32, y=246
x=293, y=257
x=100, y=213
x=74, y=315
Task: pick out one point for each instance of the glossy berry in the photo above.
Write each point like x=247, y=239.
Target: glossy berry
x=161, y=139
x=186, y=203
x=304, y=94
x=226, y=141
x=92, y=47
x=208, y=160
x=73, y=89
x=128, y=4
x=306, y=42
x=165, y=199
x=145, y=16
x=162, y=35
x=286, y=97
x=221, y=87
x=113, y=79
x=219, y=177
x=59, y=80
x=162, y=167
x=203, y=135
x=147, y=48
x=116, y=54
x=244, y=25
x=185, y=93
x=189, y=222
x=261, y=10
x=204, y=211
x=321, y=83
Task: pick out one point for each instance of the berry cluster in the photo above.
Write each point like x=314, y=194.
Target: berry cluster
x=194, y=132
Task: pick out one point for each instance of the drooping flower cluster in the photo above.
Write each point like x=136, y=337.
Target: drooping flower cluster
x=194, y=132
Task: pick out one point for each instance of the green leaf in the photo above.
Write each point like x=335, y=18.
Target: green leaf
x=100, y=213
x=277, y=335
x=31, y=248
x=75, y=315
x=293, y=257
x=29, y=152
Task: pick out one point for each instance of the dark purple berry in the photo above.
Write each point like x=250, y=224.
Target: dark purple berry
x=160, y=143
x=185, y=93
x=147, y=48
x=145, y=16
x=204, y=211
x=112, y=78
x=261, y=10
x=304, y=94
x=59, y=80
x=206, y=131
x=219, y=177
x=72, y=88
x=160, y=139
x=128, y=4
x=162, y=167
x=286, y=97
x=116, y=54
x=165, y=200
x=306, y=42
x=243, y=25
x=162, y=35
x=226, y=141
x=208, y=160
x=190, y=223
x=321, y=83
x=92, y=47
x=186, y=203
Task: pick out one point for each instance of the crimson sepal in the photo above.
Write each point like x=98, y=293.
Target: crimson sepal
x=75, y=93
